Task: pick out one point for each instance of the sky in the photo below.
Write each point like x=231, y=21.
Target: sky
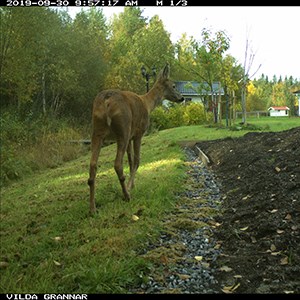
x=273, y=32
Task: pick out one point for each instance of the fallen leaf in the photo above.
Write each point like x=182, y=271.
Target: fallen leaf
x=217, y=246
x=199, y=258
x=225, y=269
x=57, y=238
x=277, y=169
x=273, y=247
x=230, y=289
x=227, y=289
x=235, y=287
x=184, y=276
x=279, y=231
x=275, y=253
x=294, y=227
x=288, y=217
x=284, y=261
x=253, y=239
x=237, y=276
x=205, y=264
x=135, y=217
x=289, y=292
x=273, y=211
x=57, y=263
x=244, y=228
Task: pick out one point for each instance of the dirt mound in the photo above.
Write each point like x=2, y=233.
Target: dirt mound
x=260, y=225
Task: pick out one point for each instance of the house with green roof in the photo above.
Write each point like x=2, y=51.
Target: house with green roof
x=195, y=91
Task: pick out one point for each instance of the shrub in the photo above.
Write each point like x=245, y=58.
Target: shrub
x=159, y=119
x=35, y=144
x=194, y=114
x=177, y=115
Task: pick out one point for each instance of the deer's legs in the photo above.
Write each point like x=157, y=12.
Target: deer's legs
x=131, y=164
x=96, y=146
x=129, y=155
x=136, y=161
x=121, y=148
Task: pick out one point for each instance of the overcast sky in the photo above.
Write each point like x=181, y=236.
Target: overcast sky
x=273, y=31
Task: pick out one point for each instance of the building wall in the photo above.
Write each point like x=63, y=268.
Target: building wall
x=278, y=113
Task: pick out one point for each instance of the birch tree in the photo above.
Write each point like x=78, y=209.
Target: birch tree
x=247, y=75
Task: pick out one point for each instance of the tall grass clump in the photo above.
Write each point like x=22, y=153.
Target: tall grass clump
x=31, y=145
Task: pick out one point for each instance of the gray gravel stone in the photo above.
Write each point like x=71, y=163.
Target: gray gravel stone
x=190, y=276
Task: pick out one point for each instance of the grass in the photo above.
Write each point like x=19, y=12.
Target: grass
x=50, y=243
x=275, y=123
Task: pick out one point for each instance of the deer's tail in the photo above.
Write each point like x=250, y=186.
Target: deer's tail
x=107, y=108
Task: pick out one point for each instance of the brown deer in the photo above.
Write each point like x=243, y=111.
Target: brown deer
x=124, y=117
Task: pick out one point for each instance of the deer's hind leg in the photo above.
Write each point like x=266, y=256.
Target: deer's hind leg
x=96, y=144
x=130, y=162
x=121, y=149
x=136, y=161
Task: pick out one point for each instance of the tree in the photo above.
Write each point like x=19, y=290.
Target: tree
x=230, y=73
x=123, y=29
x=137, y=43
x=89, y=48
x=248, y=62
x=207, y=62
x=185, y=50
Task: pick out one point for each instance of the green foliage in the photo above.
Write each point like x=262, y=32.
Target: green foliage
x=38, y=73
x=195, y=114
x=176, y=115
x=31, y=145
x=263, y=93
x=135, y=42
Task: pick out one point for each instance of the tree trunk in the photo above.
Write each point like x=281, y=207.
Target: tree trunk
x=244, y=111
x=44, y=93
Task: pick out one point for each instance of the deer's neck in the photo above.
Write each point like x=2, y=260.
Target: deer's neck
x=153, y=98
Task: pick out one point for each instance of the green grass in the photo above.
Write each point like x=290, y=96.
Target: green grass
x=50, y=243
x=275, y=123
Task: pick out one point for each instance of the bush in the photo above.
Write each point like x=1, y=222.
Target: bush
x=35, y=144
x=159, y=119
x=195, y=114
x=177, y=115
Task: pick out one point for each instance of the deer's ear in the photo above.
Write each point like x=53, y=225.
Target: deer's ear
x=166, y=71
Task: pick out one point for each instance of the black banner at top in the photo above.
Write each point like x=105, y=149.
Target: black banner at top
x=95, y=3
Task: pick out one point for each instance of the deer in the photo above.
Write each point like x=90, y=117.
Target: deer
x=124, y=117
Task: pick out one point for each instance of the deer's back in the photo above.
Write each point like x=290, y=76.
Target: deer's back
x=120, y=110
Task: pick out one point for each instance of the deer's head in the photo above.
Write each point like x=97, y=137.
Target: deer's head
x=168, y=86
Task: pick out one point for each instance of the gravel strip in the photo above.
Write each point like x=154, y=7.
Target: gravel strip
x=193, y=272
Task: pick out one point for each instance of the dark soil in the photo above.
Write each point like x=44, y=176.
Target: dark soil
x=259, y=231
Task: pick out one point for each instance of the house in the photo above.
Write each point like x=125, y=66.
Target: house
x=195, y=91
x=278, y=111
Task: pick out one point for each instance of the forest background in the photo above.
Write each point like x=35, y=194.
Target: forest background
x=52, y=66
